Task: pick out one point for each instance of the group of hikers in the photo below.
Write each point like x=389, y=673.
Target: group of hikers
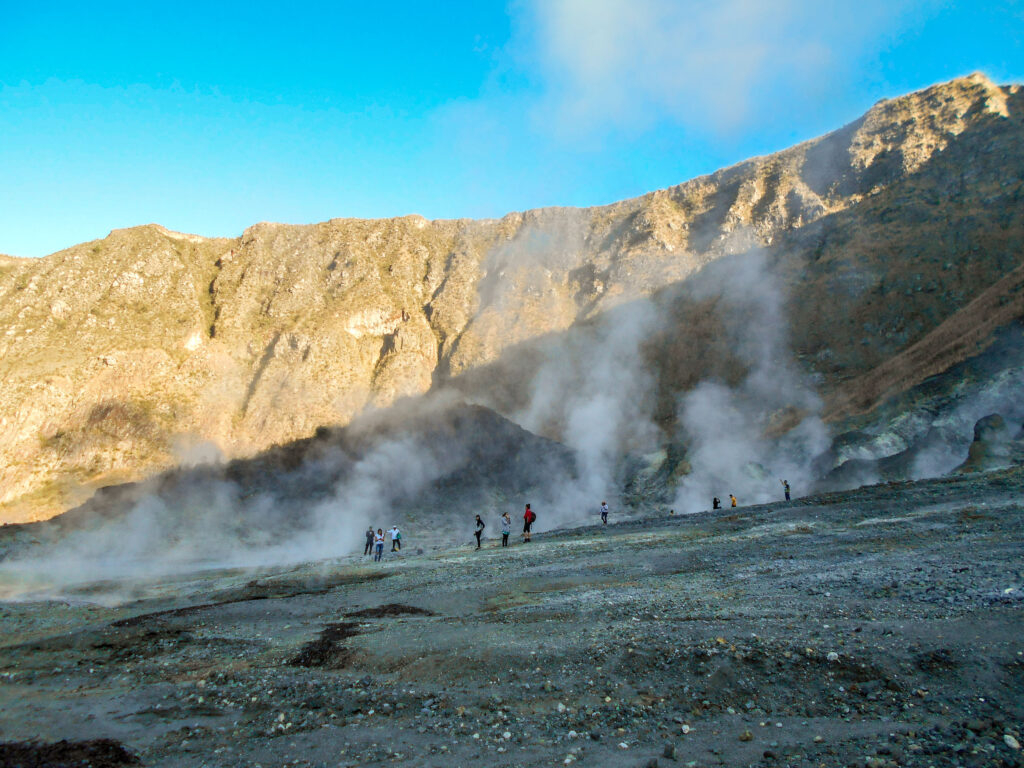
x=375, y=541
x=529, y=517
x=716, y=503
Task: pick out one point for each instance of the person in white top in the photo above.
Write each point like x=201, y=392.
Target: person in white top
x=604, y=512
x=378, y=545
x=396, y=538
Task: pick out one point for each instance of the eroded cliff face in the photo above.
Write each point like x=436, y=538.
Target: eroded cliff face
x=150, y=348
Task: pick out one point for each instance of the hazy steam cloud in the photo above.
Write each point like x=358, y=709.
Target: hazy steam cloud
x=744, y=440
x=594, y=393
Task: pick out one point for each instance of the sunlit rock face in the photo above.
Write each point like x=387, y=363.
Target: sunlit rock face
x=893, y=246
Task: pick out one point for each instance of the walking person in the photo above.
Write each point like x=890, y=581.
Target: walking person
x=378, y=545
x=785, y=488
x=604, y=513
x=732, y=501
x=369, y=541
x=479, y=530
x=528, y=517
x=506, y=528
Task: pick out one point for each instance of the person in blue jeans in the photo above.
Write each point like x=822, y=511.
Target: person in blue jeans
x=506, y=528
x=378, y=545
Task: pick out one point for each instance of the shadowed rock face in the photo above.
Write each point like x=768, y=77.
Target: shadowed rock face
x=894, y=241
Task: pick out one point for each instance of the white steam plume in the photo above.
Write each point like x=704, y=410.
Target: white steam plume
x=594, y=393
x=207, y=522
x=745, y=439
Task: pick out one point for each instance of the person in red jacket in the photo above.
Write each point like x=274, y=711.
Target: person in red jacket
x=528, y=518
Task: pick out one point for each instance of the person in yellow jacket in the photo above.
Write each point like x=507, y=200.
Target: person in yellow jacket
x=732, y=501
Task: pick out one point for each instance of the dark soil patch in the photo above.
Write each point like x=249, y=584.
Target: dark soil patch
x=325, y=651
x=391, y=609
x=97, y=753
x=936, y=661
x=256, y=591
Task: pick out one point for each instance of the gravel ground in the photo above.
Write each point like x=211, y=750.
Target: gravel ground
x=879, y=627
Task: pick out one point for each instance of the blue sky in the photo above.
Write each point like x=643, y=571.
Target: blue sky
x=207, y=118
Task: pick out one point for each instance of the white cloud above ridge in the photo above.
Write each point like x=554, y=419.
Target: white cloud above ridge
x=624, y=65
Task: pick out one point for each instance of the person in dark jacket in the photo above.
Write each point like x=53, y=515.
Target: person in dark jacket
x=369, y=541
x=479, y=530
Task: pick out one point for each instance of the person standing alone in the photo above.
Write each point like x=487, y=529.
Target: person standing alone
x=479, y=530
x=604, y=513
x=506, y=528
x=528, y=517
x=785, y=488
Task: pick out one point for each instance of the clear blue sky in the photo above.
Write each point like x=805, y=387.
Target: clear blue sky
x=209, y=117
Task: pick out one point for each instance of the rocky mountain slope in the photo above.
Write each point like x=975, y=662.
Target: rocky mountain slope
x=880, y=255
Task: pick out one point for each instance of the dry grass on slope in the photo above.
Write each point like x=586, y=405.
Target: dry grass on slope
x=959, y=337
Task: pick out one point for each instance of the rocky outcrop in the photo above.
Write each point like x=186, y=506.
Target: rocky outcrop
x=894, y=241
x=993, y=447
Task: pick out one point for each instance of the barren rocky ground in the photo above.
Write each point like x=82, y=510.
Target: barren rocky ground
x=877, y=627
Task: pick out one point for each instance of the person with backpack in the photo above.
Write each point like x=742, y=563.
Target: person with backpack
x=529, y=516
x=604, y=513
x=479, y=530
x=369, y=541
x=396, y=539
x=378, y=544
x=506, y=528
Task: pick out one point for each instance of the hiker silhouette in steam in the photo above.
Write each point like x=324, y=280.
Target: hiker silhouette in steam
x=785, y=488
x=479, y=530
x=716, y=503
x=369, y=541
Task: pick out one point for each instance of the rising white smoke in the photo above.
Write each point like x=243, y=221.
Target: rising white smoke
x=744, y=440
x=594, y=392
x=207, y=520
